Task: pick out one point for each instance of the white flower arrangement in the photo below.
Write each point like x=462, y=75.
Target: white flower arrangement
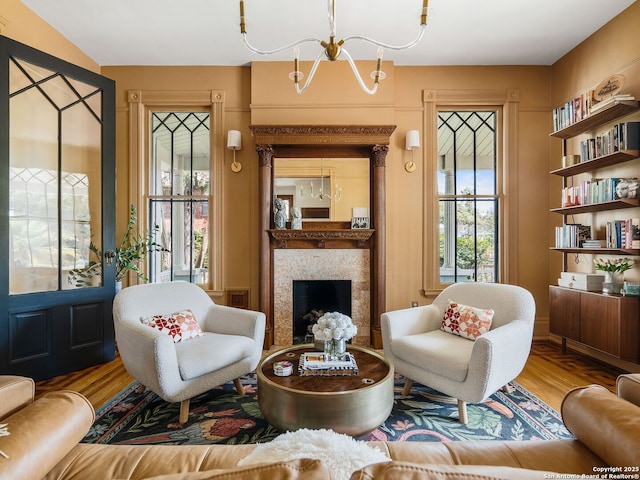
x=334, y=326
x=618, y=265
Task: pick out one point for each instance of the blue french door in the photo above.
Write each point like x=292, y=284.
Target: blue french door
x=57, y=214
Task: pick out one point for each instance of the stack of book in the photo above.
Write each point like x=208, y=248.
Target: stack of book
x=610, y=101
x=315, y=363
x=591, y=282
x=592, y=244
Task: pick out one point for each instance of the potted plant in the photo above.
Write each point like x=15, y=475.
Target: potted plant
x=613, y=272
x=133, y=249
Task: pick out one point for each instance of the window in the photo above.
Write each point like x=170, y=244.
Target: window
x=179, y=195
x=471, y=194
x=467, y=196
x=176, y=178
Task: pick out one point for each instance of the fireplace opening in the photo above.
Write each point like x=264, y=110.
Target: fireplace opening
x=313, y=298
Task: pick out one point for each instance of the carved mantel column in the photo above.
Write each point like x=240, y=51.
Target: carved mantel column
x=265, y=193
x=378, y=251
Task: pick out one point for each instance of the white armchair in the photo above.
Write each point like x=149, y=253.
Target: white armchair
x=230, y=346
x=468, y=370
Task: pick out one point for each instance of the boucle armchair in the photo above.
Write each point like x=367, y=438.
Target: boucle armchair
x=468, y=370
x=225, y=344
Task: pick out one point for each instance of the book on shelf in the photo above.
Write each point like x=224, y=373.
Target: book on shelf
x=572, y=235
x=623, y=233
x=596, y=107
x=598, y=190
x=634, y=228
x=593, y=244
x=315, y=363
x=629, y=135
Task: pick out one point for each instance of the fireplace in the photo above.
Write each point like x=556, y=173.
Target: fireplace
x=312, y=298
x=349, y=265
x=358, y=254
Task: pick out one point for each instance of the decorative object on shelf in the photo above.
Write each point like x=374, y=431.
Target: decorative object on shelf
x=360, y=217
x=337, y=195
x=280, y=214
x=608, y=87
x=627, y=188
x=234, y=142
x=332, y=49
x=631, y=289
x=132, y=250
x=334, y=328
x=591, y=282
x=296, y=218
x=568, y=160
x=411, y=143
x=613, y=273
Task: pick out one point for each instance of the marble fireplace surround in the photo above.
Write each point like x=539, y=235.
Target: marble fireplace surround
x=332, y=240
x=320, y=264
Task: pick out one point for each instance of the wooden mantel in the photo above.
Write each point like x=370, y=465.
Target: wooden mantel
x=313, y=141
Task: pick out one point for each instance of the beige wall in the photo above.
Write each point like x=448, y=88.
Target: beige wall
x=262, y=94
x=19, y=23
x=335, y=98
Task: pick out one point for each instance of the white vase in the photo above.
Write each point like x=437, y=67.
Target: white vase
x=613, y=282
x=335, y=349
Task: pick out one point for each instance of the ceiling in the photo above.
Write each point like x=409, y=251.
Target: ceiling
x=206, y=32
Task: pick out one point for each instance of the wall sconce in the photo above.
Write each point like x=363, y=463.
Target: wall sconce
x=234, y=142
x=412, y=142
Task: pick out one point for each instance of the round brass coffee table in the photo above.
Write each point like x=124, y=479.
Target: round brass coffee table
x=354, y=405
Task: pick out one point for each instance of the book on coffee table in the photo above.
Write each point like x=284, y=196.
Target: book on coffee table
x=314, y=363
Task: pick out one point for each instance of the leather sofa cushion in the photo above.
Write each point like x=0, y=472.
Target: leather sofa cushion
x=307, y=469
x=628, y=387
x=17, y=393
x=42, y=433
x=608, y=425
x=412, y=471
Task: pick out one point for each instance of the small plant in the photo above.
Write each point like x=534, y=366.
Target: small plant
x=133, y=249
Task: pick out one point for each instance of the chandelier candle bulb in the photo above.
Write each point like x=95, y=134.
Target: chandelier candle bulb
x=242, y=25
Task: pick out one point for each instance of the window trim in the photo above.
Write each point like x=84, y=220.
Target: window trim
x=507, y=170
x=141, y=103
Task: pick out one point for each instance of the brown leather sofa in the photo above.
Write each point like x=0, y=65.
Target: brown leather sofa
x=44, y=436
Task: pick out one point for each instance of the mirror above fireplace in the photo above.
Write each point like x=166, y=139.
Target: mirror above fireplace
x=323, y=188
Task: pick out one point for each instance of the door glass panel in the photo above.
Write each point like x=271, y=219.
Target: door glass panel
x=81, y=224
x=55, y=214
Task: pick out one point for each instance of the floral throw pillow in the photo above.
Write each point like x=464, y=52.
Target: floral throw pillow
x=468, y=322
x=179, y=325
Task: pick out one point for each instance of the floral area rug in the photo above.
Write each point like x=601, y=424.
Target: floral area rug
x=224, y=417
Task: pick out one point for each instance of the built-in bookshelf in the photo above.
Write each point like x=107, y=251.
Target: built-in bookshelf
x=574, y=314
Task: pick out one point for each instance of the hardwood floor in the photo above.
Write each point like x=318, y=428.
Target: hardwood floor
x=549, y=374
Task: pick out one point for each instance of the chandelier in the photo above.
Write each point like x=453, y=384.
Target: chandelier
x=332, y=50
x=321, y=195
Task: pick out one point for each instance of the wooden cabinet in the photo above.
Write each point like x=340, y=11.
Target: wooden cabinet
x=609, y=323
